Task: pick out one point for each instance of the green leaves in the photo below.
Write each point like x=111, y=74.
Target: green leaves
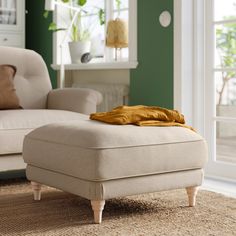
x=78, y=32
x=53, y=27
x=74, y=33
x=226, y=44
x=81, y=2
x=226, y=49
x=101, y=16
x=118, y=5
x=46, y=14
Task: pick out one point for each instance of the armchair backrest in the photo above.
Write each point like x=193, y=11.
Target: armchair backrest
x=32, y=80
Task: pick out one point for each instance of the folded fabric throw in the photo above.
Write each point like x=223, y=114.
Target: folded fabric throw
x=142, y=116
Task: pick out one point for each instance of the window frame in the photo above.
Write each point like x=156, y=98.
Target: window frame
x=109, y=64
x=193, y=66
x=216, y=168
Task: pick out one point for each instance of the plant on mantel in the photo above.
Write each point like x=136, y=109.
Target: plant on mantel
x=80, y=34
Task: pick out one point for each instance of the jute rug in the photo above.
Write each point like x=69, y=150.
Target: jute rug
x=163, y=213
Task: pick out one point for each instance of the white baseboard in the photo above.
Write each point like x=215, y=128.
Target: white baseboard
x=220, y=185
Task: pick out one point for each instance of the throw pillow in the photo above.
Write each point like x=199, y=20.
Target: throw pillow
x=8, y=97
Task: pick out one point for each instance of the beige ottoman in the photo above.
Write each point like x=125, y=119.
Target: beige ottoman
x=99, y=161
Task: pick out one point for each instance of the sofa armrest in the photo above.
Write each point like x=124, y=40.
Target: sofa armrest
x=74, y=99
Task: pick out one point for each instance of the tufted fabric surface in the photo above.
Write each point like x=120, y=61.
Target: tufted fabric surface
x=31, y=81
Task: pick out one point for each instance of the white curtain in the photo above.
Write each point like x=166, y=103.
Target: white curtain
x=8, y=12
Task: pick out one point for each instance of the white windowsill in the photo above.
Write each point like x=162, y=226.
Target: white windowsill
x=98, y=65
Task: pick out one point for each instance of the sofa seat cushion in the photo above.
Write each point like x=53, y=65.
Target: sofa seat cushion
x=15, y=124
x=95, y=151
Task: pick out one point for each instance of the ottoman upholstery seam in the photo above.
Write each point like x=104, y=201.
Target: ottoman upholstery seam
x=123, y=177
x=118, y=147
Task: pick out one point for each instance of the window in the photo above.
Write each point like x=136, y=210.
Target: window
x=221, y=85
x=103, y=57
x=205, y=77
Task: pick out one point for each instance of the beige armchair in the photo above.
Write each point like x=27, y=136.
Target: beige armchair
x=41, y=105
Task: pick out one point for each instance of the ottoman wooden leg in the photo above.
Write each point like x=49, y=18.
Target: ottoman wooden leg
x=192, y=193
x=97, y=206
x=36, y=190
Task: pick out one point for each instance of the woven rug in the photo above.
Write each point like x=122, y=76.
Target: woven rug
x=163, y=213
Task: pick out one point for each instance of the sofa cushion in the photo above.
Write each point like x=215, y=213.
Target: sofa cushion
x=96, y=151
x=32, y=80
x=15, y=124
x=8, y=97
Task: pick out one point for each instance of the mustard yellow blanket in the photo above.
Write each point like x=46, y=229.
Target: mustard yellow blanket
x=142, y=116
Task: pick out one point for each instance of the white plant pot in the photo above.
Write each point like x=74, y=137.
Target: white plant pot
x=77, y=49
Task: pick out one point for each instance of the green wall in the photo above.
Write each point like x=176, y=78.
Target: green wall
x=152, y=82
x=38, y=38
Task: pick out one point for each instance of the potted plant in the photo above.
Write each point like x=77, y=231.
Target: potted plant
x=80, y=34
x=80, y=40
